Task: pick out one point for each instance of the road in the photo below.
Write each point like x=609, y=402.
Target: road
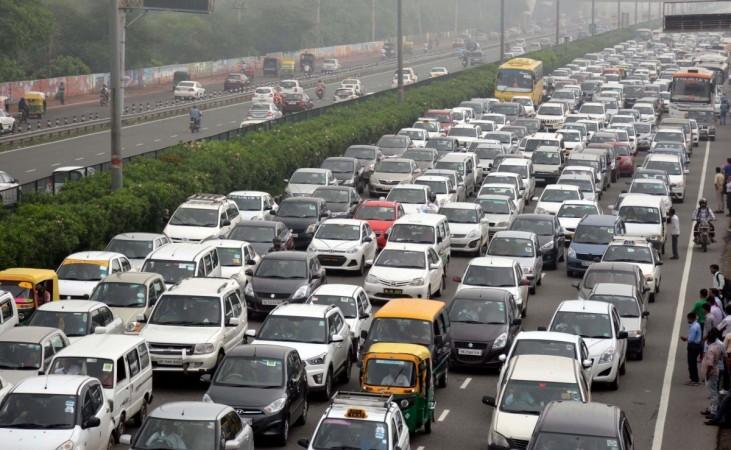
x=651, y=384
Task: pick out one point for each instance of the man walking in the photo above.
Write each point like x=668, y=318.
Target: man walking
x=695, y=347
x=674, y=222
x=719, y=186
x=62, y=93
x=719, y=281
x=724, y=111
x=710, y=369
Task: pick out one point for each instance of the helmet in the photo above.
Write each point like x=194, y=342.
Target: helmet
x=703, y=201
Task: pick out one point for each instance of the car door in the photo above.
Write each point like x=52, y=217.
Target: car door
x=116, y=267
x=230, y=330
x=343, y=349
x=92, y=405
x=126, y=265
x=369, y=241
x=435, y=268
x=317, y=273
x=295, y=390
x=365, y=310
x=626, y=434
x=621, y=343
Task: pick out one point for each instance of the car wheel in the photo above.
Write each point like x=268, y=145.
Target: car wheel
x=141, y=414
x=347, y=367
x=532, y=290
x=442, y=285
x=540, y=278
x=641, y=352
x=305, y=409
x=283, y=433
x=119, y=431
x=427, y=423
x=442, y=382
x=328, y=390
x=651, y=298
x=362, y=269
x=428, y=291
x=623, y=368
x=614, y=385
x=111, y=443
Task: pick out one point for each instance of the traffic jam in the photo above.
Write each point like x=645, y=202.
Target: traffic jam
x=336, y=305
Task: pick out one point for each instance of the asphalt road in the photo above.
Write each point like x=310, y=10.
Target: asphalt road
x=646, y=392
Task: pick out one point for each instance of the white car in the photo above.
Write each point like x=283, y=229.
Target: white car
x=264, y=94
x=405, y=270
x=500, y=120
x=290, y=87
x=236, y=257
x=439, y=71
x=202, y=216
x=647, y=112
x=320, y=335
x=506, y=189
x=418, y=136
x=600, y=326
x=194, y=324
x=344, y=244
x=415, y=198
x=524, y=168
x=62, y=412
x=330, y=65
x=552, y=115
x=77, y=318
x=652, y=186
x=673, y=166
x=189, y=90
x=407, y=80
x=499, y=210
x=353, y=83
x=527, y=102
x=79, y=273
x=595, y=111
x=639, y=252
x=253, y=205
x=497, y=272
x=262, y=112
x=303, y=182
x=343, y=94
x=353, y=303
x=9, y=189
x=572, y=211
x=631, y=310
x=7, y=122
x=554, y=195
x=440, y=186
x=468, y=228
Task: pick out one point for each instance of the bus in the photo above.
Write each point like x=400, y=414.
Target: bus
x=520, y=76
x=694, y=88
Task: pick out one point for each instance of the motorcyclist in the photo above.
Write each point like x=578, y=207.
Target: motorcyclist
x=196, y=115
x=104, y=93
x=320, y=88
x=704, y=214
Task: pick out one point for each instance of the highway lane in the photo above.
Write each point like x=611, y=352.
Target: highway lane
x=465, y=420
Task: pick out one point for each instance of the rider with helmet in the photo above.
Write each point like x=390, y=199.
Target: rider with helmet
x=704, y=214
x=196, y=115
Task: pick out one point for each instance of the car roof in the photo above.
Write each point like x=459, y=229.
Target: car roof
x=499, y=261
x=258, y=223
x=337, y=289
x=515, y=162
x=301, y=310
x=131, y=277
x=110, y=346
x=405, y=246
x=94, y=256
x=287, y=254
x=51, y=384
x=599, y=219
x=188, y=411
x=247, y=194
x=421, y=219
x=411, y=308
x=226, y=243
x=560, y=187
x=138, y=236
x=26, y=334
x=260, y=350
x=548, y=336
x=379, y=203
x=514, y=234
x=460, y=205
x=613, y=266
x=71, y=306
x=625, y=290
x=210, y=287
x=548, y=368
x=577, y=418
x=483, y=293
x=180, y=251
x=355, y=222
x=588, y=306
x=537, y=217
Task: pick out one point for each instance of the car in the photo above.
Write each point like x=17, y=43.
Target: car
x=27, y=352
x=9, y=188
x=391, y=172
x=585, y=182
x=469, y=229
x=406, y=80
x=380, y=215
x=645, y=135
x=56, y=411
x=344, y=244
x=527, y=103
x=192, y=425
x=552, y=115
x=129, y=294
x=265, y=94
x=405, y=270
x=466, y=134
x=265, y=236
x=80, y=272
x=77, y=318
x=507, y=178
x=418, y=136
x=568, y=97
x=524, y=168
x=302, y=216
x=500, y=120
x=592, y=169
x=346, y=170
x=392, y=145
x=595, y=111
x=497, y=272
x=432, y=126
x=7, y=122
x=235, y=81
x=547, y=164
x=262, y=112
x=367, y=157
x=341, y=201
x=486, y=154
x=499, y=210
x=267, y=387
x=353, y=303
x=353, y=83
x=253, y=205
x=414, y=198
x=531, y=381
x=304, y=181
x=572, y=211
x=320, y=335
x=180, y=260
x=281, y=277
x=591, y=238
x=600, y=326
x=189, y=90
x=632, y=312
x=672, y=165
x=484, y=322
x=136, y=246
x=297, y=102
x=438, y=71
x=554, y=195
x=343, y=94
x=506, y=189
x=194, y=324
x=524, y=247
x=550, y=235
x=330, y=65
x=506, y=139
x=290, y=87
x=202, y=216
x=236, y=257
x=651, y=186
x=425, y=158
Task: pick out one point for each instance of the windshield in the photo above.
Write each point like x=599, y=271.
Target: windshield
x=595, y=276
x=338, y=232
x=548, y=158
x=132, y=249
x=297, y=209
x=451, y=165
x=419, y=155
x=544, y=347
x=393, y=142
x=393, y=167
x=460, y=215
x=256, y=372
x=593, y=234
x=540, y=227
x=410, y=331
x=124, y=295
x=521, y=170
x=412, y=233
x=307, y=177
x=514, y=247
x=533, y=144
x=332, y=195
x=407, y=196
x=442, y=145
x=293, y=329
x=195, y=217
x=591, y=109
x=576, y=211
x=530, y=397
x=645, y=110
x=171, y=271
x=20, y=356
x=570, y=137
x=497, y=118
x=494, y=205
x=82, y=271
x=561, y=441
x=264, y=90
x=101, y=369
x=640, y=214
x=346, y=304
x=176, y=434
x=401, y=259
x=38, y=411
x=338, y=166
x=564, y=95
x=252, y=234
x=514, y=80
x=549, y=110
x=601, y=138
x=390, y=372
x=348, y=434
x=436, y=186
x=669, y=136
x=691, y=90
x=490, y=189
x=71, y=323
x=282, y=268
x=375, y=213
x=477, y=311
x=587, y=325
x=503, y=138
x=367, y=154
x=671, y=167
x=626, y=306
x=509, y=109
x=230, y=256
x=247, y=203
x=415, y=135
x=187, y=310
x=463, y=132
x=626, y=253
x=559, y=195
x=488, y=153
x=491, y=276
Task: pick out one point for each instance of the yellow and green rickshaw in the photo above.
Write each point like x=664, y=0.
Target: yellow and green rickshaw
x=36, y=102
x=23, y=282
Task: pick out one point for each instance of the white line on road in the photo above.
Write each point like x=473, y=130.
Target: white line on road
x=204, y=129
x=675, y=336
x=465, y=383
x=219, y=125
x=55, y=164
x=30, y=170
x=140, y=144
x=157, y=140
x=100, y=154
x=443, y=415
x=81, y=158
x=173, y=136
x=421, y=447
x=233, y=121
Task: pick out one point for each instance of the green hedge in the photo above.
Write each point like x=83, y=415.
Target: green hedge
x=85, y=215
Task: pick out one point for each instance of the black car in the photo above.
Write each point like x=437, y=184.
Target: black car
x=264, y=235
x=346, y=170
x=393, y=144
x=549, y=232
x=484, y=323
x=367, y=156
x=532, y=125
x=265, y=384
x=302, y=215
x=235, y=81
x=341, y=200
x=281, y=277
x=297, y=102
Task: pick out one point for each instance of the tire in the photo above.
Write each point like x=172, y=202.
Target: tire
x=305, y=409
x=345, y=374
x=442, y=381
x=427, y=423
x=283, y=433
x=651, y=299
x=614, y=385
x=442, y=285
x=623, y=368
x=532, y=290
x=141, y=414
x=540, y=279
x=328, y=390
x=428, y=291
x=111, y=443
x=362, y=268
x=121, y=427
x=641, y=352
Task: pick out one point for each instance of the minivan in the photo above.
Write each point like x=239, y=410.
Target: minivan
x=424, y=229
x=592, y=237
x=177, y=261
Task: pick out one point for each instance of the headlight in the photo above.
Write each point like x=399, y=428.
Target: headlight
x=500, y=341
x=496, y=439
x=301, y=291
x=547, y=246
x=417, y=282
x=370, y=279
x=248, y=290
x=572, y=252
x=203, y=348
x=354, y=250
x=207, y=398
x=348, y=182
x=133, y=327
x=473, y=234
x=501, y=224
x=311, y=228
x=317, y=360
x=275, y=406
x=607, y=356
x=68, y=445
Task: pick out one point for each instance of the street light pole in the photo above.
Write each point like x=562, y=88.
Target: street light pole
x=619, y=14
x=558, y=20
x=373, y=20
x=502, y=30
x=593, y=16
x=117, y=94
x=399, y=52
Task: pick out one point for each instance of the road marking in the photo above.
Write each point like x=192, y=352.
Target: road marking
x=233, y=121
x=465, y=383
x=55, y=164
x=675, y=335
x=140, y=144
x=100, y=154
x=421, y=447
x=443, y=415
x=173, y=136
x=157, y=140
x=204, y=129
x=81, y=158
x=30, y=170
x=219, y=124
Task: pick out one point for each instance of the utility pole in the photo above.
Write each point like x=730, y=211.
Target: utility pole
x=373, y=20
x=593, y=15
x=318, y=25
x=637, y=10
x=116, y=27
x=399, y=52
x=502, y=30
x=456, y=16
x=558, y=22
x=619, y=14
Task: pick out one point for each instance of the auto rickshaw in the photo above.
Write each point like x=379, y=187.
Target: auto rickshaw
x=36, y=102
x=287, y=66
x=270, y=66
x=404, y=371
x=307, y=59
x=22, y=283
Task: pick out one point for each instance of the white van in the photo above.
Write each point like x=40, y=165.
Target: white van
x=644, y=216
x=424, y=229
x=464, y=164
x=8, y=311
x=178, y=261
x=122, y=365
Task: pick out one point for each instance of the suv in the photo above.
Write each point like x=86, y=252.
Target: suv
x=591, y=238
x=320, y=335
x=194, y=324
x=202, y=216
x=552, y=115
x=235, y=81
x=77, y=318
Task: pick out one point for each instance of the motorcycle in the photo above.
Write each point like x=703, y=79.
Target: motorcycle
x=702, y=235
x=320, y=92
x=103, y=99
x=195, y=125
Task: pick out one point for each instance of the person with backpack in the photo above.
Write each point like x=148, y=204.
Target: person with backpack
x=720, y=283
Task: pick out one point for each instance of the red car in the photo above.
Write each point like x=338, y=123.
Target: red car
x=444, y=117
x=380, y=215
x=625, y=160
x=296, y=103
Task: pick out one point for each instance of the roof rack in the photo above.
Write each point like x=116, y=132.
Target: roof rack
x=207, y=197
x=362, y=399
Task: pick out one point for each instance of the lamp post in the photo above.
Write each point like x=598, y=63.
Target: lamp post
x=399, y=52
x=502, y=30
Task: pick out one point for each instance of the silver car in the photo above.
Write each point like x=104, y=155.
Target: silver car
x=523, y=246
x=390, y=172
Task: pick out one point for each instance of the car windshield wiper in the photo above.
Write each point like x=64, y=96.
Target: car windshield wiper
x=27, y=425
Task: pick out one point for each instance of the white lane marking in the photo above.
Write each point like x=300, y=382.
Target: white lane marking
x=30, y=170
x=55, y=164
x=173, y=136
x=81, y=158
x=157, y=140
x=100, y=154
x=233, y=121
x=443, y=415
x=421, y=447
x=219, y=124
x=204, y=129
x=675, y=335
x=465, y=383
x=140, y=144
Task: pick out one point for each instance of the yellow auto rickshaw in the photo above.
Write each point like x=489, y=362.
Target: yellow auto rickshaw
x=36, y=102
x=27, y=286
x=405, y=372
x=287, y=66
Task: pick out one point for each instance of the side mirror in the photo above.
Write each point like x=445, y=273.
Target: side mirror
x=587, y=363
x=225, y=222
x=233, y=322
x=286, y=180
x=576, y=285
x=273, y=212
x=534, y=199
x=250, y=262
x=457, y=279
x=432, y=197
x=433, y=266
x=686, y=171
x=502, y=357
x=140, y=318
x=249, y=273
x=304, y=443
x=489, y=401
x=91, y=422
x=231, y=445
x=363, y=334
x=205, y=378
x=517, y=322
x=566, y=243
x=622, y=335
x=101, y=330
x=337, y=338
x=250, y=333
x=365, y=315
x=539, y=253
x=645, y=313
x=125, y=439
x=41, y=372
x=326, y=213
x=276, y=241
x=542, y=328
x=659, y=263
x=367, y=239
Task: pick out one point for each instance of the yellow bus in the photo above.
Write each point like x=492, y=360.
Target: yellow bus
x=520, y=76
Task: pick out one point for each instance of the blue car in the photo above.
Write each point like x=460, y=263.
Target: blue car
x=593, y=235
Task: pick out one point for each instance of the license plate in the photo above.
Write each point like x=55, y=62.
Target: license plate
x=294, y=235
x=247, y=420
x=393, y=291
x=271, y=302
x=586, y=263
x=469, y=351
x=168, y=362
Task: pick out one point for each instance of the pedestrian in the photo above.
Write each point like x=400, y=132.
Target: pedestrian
x=717, y=297
x=711, y=321
x=724, y=111
x=694, y=347
x=727, y=360
x=674, y=222
x=728, y=194
x=23, y=109
x=719, y=280
x=61, y=93
x=709, y=370
x=698, y=307
x=723, y=413
x=716, y=308
x=719, y=187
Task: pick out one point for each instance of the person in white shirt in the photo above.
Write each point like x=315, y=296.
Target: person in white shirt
x=725, y=326
x=674, y=231
x=718, y=278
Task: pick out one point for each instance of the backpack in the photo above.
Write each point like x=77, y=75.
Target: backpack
x=726, y=291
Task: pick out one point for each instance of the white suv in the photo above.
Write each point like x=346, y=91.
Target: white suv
x=194, y=324
x=320, y=335
x=202, y=216
x=552, y=115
